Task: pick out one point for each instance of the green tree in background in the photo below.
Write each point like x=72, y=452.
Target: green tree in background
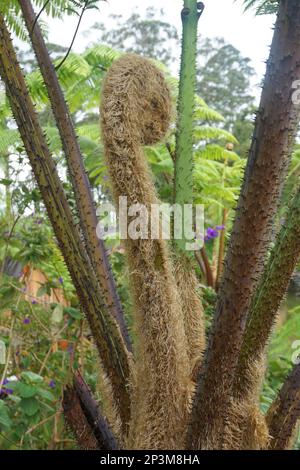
x=224, y=82
x=148, y=35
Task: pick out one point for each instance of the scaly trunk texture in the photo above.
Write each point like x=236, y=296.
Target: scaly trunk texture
x=77, y=421
x=192, y=309
x=284, y=414
x=275, y=129
x=262, y=316
x=135, y=111
x=82, y=414
x=81, y=187
x=105, y=331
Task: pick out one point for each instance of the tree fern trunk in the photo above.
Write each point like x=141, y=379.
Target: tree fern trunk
x=284, y=414
x=104, y=328
x=270, y=292
x=262, y=316
x=274, y=134
x=82, y=414
x=81, y=187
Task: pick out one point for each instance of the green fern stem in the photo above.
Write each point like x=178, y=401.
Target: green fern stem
x=186, y=103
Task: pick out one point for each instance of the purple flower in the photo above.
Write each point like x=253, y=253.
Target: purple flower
x=220, y=227
x=34, y=302
x=70, y=349
x=60, y=280
x=211, y=232
x=105, y=177
x=23, y=289
x=7, y=391
x=26, y=321
x=52, y=383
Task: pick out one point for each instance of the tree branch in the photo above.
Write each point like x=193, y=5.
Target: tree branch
x=106, y=333
x=81, y=187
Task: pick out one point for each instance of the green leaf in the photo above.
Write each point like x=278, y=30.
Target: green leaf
x=25, y=390
x=31, y=376
x=73, y=312
x=30, y=406
x=43, y=290
x=5, y=182
x=13, y=385
x=46, y=394
x=57, y=314
x=5, y=420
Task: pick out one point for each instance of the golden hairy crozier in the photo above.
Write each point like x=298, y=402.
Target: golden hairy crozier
x=135, y=111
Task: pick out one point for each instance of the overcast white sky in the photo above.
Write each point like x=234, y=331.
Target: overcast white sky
x=251, y=35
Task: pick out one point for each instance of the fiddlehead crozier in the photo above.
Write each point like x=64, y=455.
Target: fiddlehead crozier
x=135, y=111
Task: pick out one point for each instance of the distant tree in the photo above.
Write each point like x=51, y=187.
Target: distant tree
x=148, y=35
x=224, y=82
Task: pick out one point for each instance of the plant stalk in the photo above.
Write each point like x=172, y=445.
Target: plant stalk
x=81, y=187
x=106, y=333
x=275, y=130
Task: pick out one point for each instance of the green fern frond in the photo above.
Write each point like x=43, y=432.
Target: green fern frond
x=74, y=70
x=206, y=171
x=11, y=10
x=15, y=24
x=220, y=193
x=213, y=133
x=204, y=113
x=101, y=56
x=90, y=131
x=262, y=7
x=216, y=153
x=8, y=138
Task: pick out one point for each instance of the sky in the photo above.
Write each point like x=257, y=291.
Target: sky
x=225, y=18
